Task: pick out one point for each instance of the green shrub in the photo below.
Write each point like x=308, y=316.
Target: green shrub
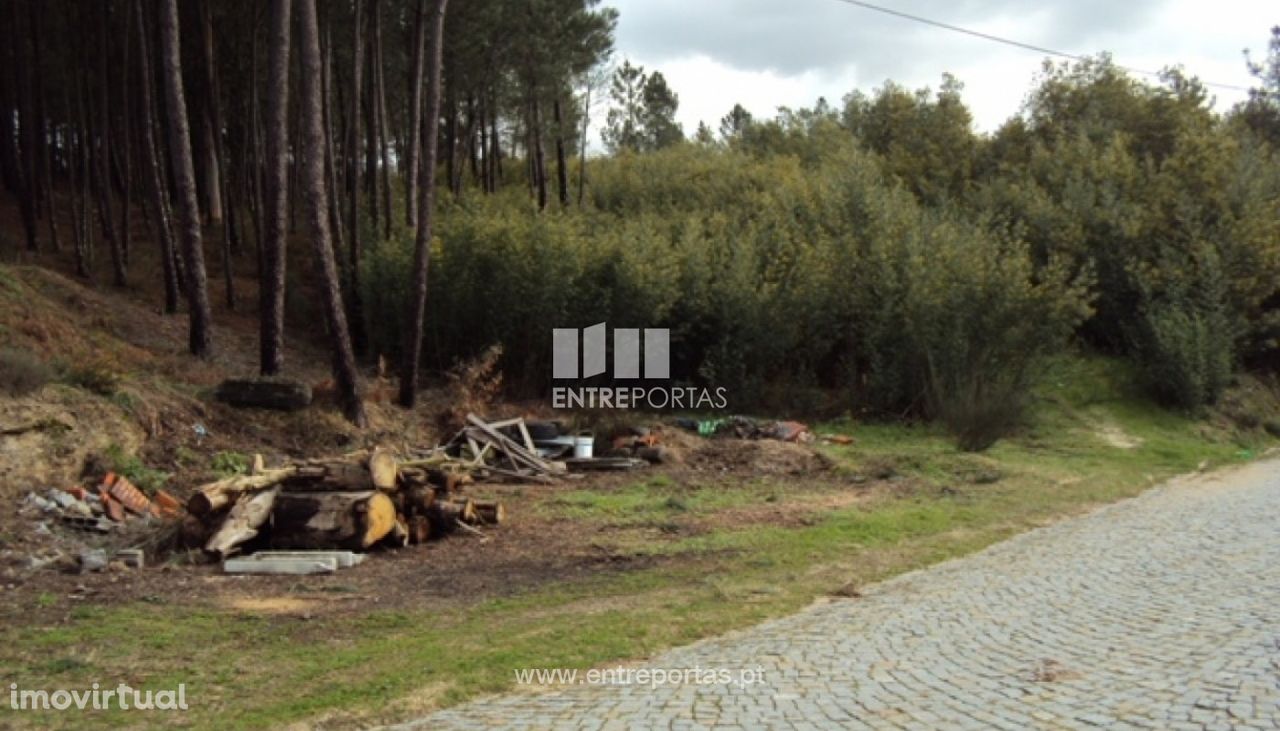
x=92, y=377
x=1185, y=336
x=228, y=464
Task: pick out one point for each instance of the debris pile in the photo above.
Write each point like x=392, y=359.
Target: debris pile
x=110, y=526
x=115, y=503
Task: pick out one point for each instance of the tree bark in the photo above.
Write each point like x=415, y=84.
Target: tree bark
x=316, y=197
x=582, y=145
x=271, y=299
x=102, y=158
x=353, y=179
x=415, y=118
x=426, y=212
x=27, y=128
x=562, y=168
x=126, y=140
x=8, y=104
x=200, y=341
x=152, y=172
x=47, y=128
x=539, y=157
x=381, y=109
x=217, y=170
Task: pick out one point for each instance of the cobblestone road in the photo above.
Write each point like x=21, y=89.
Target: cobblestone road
x=1158, y=612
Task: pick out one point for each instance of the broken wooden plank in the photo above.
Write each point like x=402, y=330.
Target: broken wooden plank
x=242, y=523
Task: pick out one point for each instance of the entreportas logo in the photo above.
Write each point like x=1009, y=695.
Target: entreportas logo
x=582, y=354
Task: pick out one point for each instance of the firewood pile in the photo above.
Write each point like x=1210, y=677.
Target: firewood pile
x=355, y=502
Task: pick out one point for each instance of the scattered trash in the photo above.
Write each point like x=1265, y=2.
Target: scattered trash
x=118, y=487
x=133, y=558
x=93, y=560
x=741, y=427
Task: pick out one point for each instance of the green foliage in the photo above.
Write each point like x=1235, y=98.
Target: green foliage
x=1185, y=337
x=229, y=464
x=21, y=372
x=643, y=116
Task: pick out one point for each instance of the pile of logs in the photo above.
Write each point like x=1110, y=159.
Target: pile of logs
x=351, y=502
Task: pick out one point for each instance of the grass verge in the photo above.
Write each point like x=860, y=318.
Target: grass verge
x=916, y=500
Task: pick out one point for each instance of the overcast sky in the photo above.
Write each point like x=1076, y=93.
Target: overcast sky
x=769, y=53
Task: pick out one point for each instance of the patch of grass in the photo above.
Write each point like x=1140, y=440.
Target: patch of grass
x=252, y=671
x=92, y=377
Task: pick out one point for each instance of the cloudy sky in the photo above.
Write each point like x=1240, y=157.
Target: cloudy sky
x=769, y=53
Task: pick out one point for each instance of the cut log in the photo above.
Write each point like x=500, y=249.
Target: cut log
x=218, y=495
x=382, y=469
x=280, y=395
x=419, y=529
x=242, y=523
x=489, y=512
x=331, y=477
x=354, y=520
x=418, y=499
x=445, y=516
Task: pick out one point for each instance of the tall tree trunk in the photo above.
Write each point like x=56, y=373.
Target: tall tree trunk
x=217, y=170
x=154, y=178
x=356, y=310
x=451, y=141
x=200, y=341
x=426, y=212
x=381, y=101
x=80, y=182
x=539, y=156
x=102, y=158
x=473, y=152
x=331, y=158
x=10, y=66
x=126, y=139
x=316, y=196
x=47, y=129
x=495, y=148
x=415, y=118
x=271, y=297
x=371, y=113
x=582, y=145
x=28, y=128
x=562, y=168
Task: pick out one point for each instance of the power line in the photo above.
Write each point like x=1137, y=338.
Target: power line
x=1010, y=41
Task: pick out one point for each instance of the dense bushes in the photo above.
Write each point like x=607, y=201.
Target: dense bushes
x=824, y=276
x=826, y=252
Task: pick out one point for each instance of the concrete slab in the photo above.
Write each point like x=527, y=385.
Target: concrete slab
x=345, y=559
x=286, y=566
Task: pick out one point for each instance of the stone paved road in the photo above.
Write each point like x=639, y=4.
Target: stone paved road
x=1158, y=612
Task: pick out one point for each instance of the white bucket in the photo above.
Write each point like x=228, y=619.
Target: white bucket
x=583, y=446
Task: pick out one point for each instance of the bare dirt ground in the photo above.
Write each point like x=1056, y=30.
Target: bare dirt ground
x=157, y=405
